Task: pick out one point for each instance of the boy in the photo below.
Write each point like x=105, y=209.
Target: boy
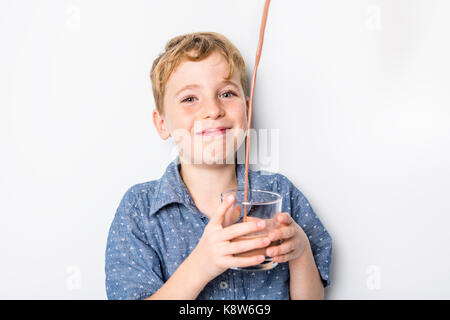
x=171, y=238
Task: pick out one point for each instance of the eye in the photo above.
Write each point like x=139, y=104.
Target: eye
x=228, y=94
x=189, y=99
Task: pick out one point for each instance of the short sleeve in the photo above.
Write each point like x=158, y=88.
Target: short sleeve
x=319, y=239
x=132, y=266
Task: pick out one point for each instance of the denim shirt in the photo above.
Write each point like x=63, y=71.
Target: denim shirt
x=157, y=225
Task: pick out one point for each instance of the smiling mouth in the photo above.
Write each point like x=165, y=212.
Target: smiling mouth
x=214, y=131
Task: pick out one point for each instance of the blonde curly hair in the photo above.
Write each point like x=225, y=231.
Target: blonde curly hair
x=193, y=47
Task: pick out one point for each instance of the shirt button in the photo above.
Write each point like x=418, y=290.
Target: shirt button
x=223, y=285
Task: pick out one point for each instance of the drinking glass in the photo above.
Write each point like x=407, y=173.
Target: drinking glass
x=260, y=204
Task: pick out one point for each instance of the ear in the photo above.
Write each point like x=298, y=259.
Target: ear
x=159, y=122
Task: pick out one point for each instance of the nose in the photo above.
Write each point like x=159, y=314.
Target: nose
x=212, y=109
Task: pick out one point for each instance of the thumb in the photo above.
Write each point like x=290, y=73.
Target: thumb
x=223, y=209
x=231, y=216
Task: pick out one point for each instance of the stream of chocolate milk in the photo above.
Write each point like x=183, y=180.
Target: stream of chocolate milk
x=252, y=92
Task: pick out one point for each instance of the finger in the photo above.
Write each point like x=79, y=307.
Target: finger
x=223, y=209
x=283, y=258
x=284, y=217
x=243, y=245
x=242, y=262
x=243, y=228
x=285, y=232
x=284, y=248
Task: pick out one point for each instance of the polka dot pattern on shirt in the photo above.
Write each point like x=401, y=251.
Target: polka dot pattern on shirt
x=157, y=225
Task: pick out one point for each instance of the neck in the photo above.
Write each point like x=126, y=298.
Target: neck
x=206, y=182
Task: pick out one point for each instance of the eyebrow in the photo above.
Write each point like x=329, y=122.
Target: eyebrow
x=194, y=86
x=189, y=86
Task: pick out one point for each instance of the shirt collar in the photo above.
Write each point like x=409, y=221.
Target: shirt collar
x=171, y=188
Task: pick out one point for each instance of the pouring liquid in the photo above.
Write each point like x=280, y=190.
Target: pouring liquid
x=252, y=92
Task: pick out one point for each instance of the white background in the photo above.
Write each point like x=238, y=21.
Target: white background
x=358, y=89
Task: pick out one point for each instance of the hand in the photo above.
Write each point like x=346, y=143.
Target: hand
x=214, y=252
x=294, y=239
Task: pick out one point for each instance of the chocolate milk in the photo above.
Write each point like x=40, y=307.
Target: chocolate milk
x=252, y=92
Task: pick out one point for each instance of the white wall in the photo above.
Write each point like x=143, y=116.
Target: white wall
x=359, y=90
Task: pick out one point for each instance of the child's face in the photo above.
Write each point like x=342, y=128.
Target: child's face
x=205, y=114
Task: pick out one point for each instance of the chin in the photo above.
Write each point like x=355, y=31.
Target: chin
x=217, y=157
x=211, y=157
x=212, y=151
